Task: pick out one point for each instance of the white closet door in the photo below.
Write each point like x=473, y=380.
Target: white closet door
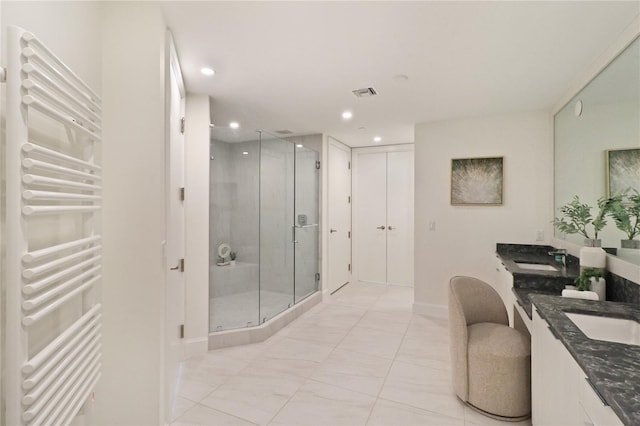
x=339, y=216
x=400, y=218
x=371, y=209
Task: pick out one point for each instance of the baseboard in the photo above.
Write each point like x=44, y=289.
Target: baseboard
x=431, y=310
x=196, y=346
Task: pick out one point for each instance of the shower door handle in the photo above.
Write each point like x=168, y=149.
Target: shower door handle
x=331, y=231
x=380, y=227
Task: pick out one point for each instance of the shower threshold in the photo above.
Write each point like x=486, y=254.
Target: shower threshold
x=260, y=333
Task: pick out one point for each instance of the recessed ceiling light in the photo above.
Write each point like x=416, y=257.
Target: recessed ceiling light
x=347, y=115
x=234, y=125
x=207, y=71
x=245, y=153
x=377, y=139
x=299, y=145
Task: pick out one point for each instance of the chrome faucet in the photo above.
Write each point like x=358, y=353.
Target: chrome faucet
x=562, y=253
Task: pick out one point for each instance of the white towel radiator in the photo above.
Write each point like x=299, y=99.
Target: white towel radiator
x=53, y=243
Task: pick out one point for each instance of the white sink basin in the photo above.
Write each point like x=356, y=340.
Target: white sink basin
x=609, y=329
x=537, y=267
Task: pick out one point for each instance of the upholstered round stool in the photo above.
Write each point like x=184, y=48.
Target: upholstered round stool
x=499, y=372
x=490, y=361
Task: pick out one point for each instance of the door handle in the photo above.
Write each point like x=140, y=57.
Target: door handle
x=179, y=266
x=331, y=231
x=381, y=227
x=391, y=228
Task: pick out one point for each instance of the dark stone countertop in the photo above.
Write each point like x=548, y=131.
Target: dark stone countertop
x=527, y=281
x=523, y=297
x=612, y=368
x=512, y=254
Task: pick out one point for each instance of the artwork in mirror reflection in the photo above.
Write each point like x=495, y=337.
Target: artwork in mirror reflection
x=597, y=140
x=623, y=167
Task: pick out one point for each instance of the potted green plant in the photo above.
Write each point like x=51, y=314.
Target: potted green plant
x=577, y=216
x=232, y=256
x=591, y=279
x=625, y=212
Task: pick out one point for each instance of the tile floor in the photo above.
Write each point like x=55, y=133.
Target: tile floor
x=359, y=358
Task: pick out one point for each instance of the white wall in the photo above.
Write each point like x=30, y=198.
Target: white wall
x=69, y=28
x=196, y=206
x=133, y=59
x=464, y=239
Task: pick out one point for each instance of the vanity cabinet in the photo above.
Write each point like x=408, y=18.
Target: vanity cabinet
x=560, y=391
x=504, y=286
x=554, y=399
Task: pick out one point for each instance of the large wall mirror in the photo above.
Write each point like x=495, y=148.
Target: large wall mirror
x=602, y=119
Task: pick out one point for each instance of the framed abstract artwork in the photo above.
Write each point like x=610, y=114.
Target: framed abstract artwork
x=476, y=181
x=623, y=170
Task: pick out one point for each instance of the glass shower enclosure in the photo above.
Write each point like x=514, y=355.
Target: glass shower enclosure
x=264, y=215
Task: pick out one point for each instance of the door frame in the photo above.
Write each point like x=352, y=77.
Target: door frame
x=173, y=73
x=355, y=153
x=338, y=145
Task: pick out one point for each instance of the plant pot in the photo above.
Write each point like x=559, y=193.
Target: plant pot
x=630, y=244
x=599, y=286
x=590, y=242
x=232, y=262
x=593, y=257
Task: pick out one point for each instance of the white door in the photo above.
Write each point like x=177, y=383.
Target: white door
x=175, y=291
x=339, y=247
x=400, y=217
x=370, y=210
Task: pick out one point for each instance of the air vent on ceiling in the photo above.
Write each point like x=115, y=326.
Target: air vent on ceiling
x=284, y=132
x=365, y=93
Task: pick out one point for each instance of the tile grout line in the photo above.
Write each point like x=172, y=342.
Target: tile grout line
x=213, y=409
x=308, y=379
x=384, y=382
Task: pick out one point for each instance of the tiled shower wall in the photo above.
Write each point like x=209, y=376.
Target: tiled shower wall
x=235, y=189
x=234, y=214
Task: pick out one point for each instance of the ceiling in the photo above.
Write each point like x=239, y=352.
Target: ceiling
x=293, y=65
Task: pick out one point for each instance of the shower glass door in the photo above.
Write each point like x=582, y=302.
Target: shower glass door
x=307, y=221
x=264, y=216
x=277, y=173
